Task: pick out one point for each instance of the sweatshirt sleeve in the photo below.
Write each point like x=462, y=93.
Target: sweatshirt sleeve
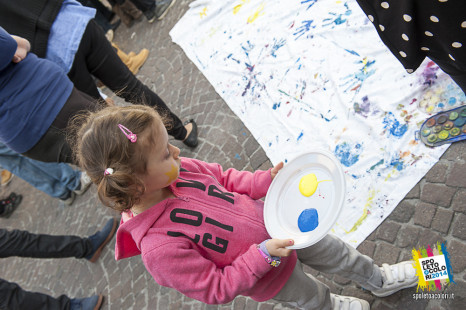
x=8, y=47
x=180, y=266
x=254, y=184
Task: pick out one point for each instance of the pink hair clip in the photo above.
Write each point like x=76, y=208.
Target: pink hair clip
x=108, y=171
x=131, y=136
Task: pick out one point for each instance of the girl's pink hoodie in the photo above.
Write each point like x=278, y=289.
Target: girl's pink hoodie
x=203, y=243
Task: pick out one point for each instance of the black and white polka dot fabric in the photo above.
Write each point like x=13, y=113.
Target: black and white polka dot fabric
x=415, y=29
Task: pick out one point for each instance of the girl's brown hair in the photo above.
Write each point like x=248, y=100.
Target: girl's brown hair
x=100, y=144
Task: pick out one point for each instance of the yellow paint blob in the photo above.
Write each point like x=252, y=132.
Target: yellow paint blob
x=172, y=174
x=308, y=184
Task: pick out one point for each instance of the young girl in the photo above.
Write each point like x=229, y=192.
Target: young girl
x=200, y=229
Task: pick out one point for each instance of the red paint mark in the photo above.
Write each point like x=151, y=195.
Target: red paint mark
x=356, y=87
x=413, y=101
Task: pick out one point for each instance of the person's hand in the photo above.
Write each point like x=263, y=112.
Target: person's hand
x=277, y=247
x=275, y=169
x=22, y=50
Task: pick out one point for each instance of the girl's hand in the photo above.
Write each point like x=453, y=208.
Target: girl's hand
x=275, y=169
x=277, y=247
x=22, y=50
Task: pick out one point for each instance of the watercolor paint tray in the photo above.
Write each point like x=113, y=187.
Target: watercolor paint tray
x=287, y=209
x=444, y=127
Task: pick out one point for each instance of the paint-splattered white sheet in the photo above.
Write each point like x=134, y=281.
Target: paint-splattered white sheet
x=308, y=74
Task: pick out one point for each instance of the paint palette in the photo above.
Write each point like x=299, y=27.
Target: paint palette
x=445, y=127
x=305, y=199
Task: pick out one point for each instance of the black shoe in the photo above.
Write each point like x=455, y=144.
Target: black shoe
x=150, y=15
x=191, y=139
x=115, y=25
x=162, y=7
x=9, y=205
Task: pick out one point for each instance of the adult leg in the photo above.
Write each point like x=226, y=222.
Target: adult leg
x=53, y=146
x=55, y=179
x=25, y=244
x=96, y=56
x=12, y=296
x=147, y=7
x=144, y=5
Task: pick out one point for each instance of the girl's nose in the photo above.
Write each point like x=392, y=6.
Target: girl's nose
x=176, y=151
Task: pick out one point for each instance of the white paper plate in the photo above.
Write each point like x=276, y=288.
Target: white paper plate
x=284, y=202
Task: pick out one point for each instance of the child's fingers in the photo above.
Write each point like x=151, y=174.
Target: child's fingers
x=277, y=247
x=275, y=169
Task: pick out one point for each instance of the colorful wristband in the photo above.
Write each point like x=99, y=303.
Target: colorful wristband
x=272, y=260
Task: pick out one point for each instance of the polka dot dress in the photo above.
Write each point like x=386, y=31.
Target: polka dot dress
x=415, y=29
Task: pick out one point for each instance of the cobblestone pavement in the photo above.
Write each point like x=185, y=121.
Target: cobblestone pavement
x=434, y=210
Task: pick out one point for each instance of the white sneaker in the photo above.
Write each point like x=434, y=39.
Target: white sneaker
x=85, y=182
x=396, y=277
x=348, y=303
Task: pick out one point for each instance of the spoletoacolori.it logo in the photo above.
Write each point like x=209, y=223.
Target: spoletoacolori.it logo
x=433, y=267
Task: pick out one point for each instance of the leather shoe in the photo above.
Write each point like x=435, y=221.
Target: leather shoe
x=9, y=205
x=191, y=139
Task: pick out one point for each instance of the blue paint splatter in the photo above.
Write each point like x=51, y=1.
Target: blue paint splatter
x=246, y=88
x=356, y=80
x=237, y=156
x=276, y=106
x=276, y=46
x=352, y=52
x=393, y=126
x=337, y=19
x=300, y=136
x=311, y=3
x=304, y=28
x=308, y=220
x=348, y=155
x=397, y=163
x=234, y=59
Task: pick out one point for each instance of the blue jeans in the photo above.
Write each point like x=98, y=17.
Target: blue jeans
x=55, y=179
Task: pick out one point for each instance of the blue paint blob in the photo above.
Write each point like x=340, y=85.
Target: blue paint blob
x=347, y=154
x=308, y=220
x=452, y=101
x=393, y=125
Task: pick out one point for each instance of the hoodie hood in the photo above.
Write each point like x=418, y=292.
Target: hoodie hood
x=132, y=231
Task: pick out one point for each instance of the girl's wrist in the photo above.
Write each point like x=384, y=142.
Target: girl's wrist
x=272, y=260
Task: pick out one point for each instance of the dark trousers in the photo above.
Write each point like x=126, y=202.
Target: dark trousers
x=24, y=244
x=13, y=297
x=96, y=57
x=144, y=5
x=53, y=146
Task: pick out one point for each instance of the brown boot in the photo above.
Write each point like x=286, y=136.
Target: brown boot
x=131, y=60
x=123, y=56
x=125, y=17
x=129, y=8
x=137, y=61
